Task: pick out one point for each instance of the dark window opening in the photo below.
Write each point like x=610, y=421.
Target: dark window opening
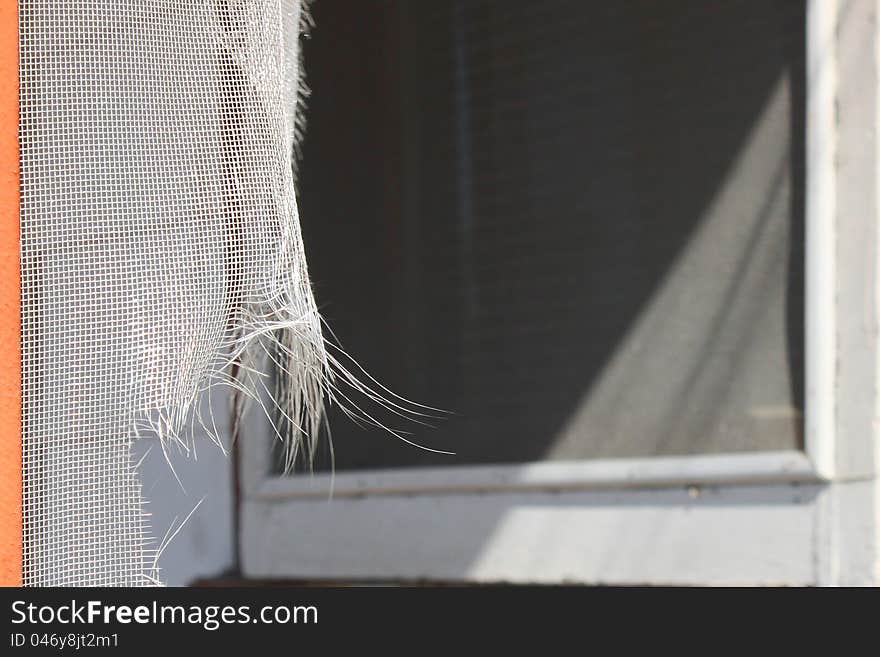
x=579, y=226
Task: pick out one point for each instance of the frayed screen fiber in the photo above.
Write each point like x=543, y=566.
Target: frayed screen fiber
x=161, y=255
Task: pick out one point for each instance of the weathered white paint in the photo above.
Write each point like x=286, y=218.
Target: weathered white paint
x=730, y=535
x=820, y=232
x=855, y=520
x=846, y=534
x=769, y=467
x=876, y=236
x=856, y=310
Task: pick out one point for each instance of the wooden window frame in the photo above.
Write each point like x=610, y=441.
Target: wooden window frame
x=829, y=487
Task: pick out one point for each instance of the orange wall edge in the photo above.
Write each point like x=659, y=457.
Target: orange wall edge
x=10, y=304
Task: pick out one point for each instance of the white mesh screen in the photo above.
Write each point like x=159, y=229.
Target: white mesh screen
x=160, y=249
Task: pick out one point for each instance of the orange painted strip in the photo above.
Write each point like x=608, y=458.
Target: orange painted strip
x=10, y=304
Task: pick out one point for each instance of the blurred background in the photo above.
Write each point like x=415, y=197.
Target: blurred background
x=580, y=227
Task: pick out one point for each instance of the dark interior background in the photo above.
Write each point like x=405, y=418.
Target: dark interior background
x=578, y=225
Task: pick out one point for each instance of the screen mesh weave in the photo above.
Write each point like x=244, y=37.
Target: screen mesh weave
x=161, y=254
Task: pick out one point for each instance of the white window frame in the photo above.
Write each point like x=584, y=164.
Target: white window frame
x=827, y=495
